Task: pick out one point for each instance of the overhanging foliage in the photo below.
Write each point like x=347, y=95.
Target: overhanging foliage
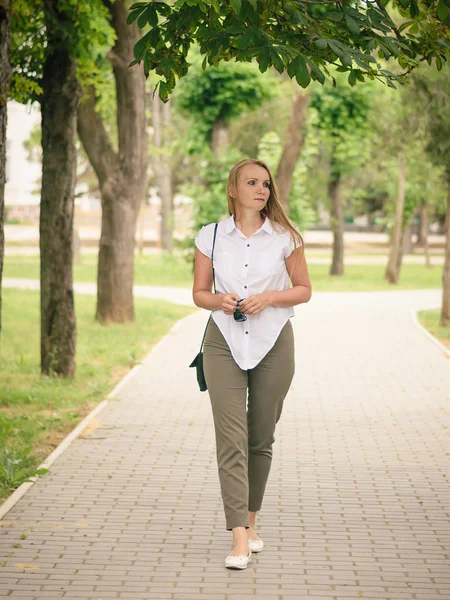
x=300, y=37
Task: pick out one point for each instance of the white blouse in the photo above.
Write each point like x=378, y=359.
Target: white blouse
x=248, y=266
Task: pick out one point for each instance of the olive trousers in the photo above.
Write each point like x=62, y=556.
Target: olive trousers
x=244, y=436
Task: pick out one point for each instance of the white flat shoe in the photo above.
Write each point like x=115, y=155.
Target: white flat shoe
x=238, y=562
x=255, y=545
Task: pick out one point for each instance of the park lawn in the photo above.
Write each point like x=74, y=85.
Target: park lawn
x=39, y=411
x=430, y=320
x=159, y=270
x=174, y=271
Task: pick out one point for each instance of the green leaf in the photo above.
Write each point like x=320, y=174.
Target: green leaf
x=405, y=3
x=163, y=91
x=149, y=15
x=317, y=72
x=263, y=59
x=148, y=63
x=163, y=8
x=335, y=48
x=277, y=61
x=352, y=78
x=365, y=57
x=154, y=37
x=245, y=40
x=216, y=6
x=253, y=3
x=139, y=47
x=386, y=52
x=346, y=60
x=236, y=5
x=301, y=72
x=291, y=68
x=235, y=30
x=361, y=64
x=405, y=25
x=134, y=15
x=321, y=43
x=442, y=11
x=413, y=10
x=334, y=15
x=352, y=25
x=152, y=16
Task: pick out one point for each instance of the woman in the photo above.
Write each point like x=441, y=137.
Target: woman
x=249, y=343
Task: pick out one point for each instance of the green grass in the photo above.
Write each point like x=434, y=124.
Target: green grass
x=430, y=320
x=365, y=278
x=170, y=271
x=174, y=271
x=39, y=411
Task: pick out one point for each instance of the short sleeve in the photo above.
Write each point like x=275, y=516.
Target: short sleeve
x=204, y=239
x=291, y=245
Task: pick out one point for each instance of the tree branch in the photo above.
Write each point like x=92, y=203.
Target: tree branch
x=394, y=28
x=95, y=139
x=116, y=60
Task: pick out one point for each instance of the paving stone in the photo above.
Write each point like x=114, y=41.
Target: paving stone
x=357, y=500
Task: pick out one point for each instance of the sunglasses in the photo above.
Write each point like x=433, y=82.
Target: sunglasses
x=238, y=316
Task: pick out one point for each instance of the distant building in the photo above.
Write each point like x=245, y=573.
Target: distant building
x=22, y=175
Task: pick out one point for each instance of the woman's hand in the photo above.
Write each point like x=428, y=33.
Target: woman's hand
x=255, y=304
x=229, y=303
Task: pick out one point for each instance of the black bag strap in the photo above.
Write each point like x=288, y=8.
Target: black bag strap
x=214, y=281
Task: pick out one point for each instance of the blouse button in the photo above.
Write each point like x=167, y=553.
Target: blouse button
x=248, y=245
x=246, y=332
x=246, y=265
x=245, y=286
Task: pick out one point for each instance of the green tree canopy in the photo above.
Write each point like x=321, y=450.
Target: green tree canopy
x=343, y=122
x=302, y=37
x=89, y=36
x=222, y=93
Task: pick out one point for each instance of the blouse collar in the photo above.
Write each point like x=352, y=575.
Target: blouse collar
x=230, y=225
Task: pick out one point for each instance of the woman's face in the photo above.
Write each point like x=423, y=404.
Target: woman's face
x=253, y=187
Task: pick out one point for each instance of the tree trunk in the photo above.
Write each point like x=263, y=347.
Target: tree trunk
x=445, y=310
x=292, y=147
x=422, y=234
x=219, y=139
x=407, y=244
x=5, y=77
x=141, y=230
x=122, y=176
x=395, y=255
x=337, y=224
x=61, y=93
x=76, y=247
x=163, y=175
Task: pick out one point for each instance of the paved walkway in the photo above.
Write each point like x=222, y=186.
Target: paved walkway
x=357, y=502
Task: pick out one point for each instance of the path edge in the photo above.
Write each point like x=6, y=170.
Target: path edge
x=15, y=496
x=429, y=335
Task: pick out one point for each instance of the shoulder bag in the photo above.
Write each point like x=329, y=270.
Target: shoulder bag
x=198, y=360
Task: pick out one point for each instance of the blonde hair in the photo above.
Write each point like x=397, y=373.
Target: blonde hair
x=273, y=209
